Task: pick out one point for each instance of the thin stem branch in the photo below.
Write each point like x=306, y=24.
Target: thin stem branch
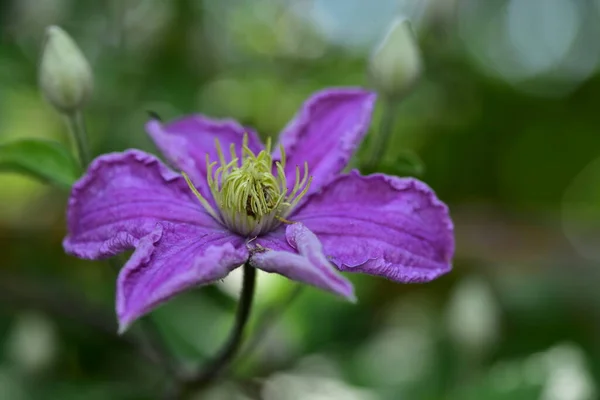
x=267, y=319
x=386, y=128
x=214, y=368
x=152, y=341
x=76, y=126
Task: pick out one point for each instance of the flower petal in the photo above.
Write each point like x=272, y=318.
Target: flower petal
x=120, y=200
x=186, y=141
x=295, y=252
x=173, y=258
x=382, y=225
x=325, y=133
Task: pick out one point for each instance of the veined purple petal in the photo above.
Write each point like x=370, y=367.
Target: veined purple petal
x=326, y=132
x=186, y=141
x=295, y=252
x=173, y=258
x=382, y=225
x=121, y=198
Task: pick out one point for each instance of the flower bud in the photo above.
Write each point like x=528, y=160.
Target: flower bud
x=65, y=76
x=396, y=64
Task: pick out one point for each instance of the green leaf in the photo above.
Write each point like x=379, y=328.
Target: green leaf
x=43, y=159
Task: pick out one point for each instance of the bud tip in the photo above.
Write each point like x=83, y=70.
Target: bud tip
x=396, y=63
x=65, y=76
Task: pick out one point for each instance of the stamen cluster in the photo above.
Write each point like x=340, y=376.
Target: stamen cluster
x=250, y=197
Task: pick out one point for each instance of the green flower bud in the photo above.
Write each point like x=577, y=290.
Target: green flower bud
x=396, y=64
x=65, y=76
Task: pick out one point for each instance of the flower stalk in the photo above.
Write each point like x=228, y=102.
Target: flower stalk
x=386, y=128
x=267, y=320
x=395, y=68
x=76, y=126
x=223, y=358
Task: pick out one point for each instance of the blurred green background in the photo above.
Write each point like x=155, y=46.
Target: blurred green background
x=505, y=121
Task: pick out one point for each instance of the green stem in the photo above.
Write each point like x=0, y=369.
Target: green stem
x=223, y=358
x=386, y=128
x=77, y=128
x=267, y=320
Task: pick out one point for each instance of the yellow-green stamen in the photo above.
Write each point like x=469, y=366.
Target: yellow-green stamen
x=250, y=198
x=203, y=201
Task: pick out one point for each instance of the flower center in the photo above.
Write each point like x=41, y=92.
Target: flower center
x=251, y=199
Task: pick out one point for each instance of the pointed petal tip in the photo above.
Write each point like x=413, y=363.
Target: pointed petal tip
x=124, y=325
x=153, y=125
x=363, y=98
x=351, y=297
x=296, y=253
x=345, y=90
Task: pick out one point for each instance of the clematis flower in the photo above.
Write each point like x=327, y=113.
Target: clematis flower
x=291, y=211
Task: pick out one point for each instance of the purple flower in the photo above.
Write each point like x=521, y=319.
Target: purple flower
x=291, y=212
